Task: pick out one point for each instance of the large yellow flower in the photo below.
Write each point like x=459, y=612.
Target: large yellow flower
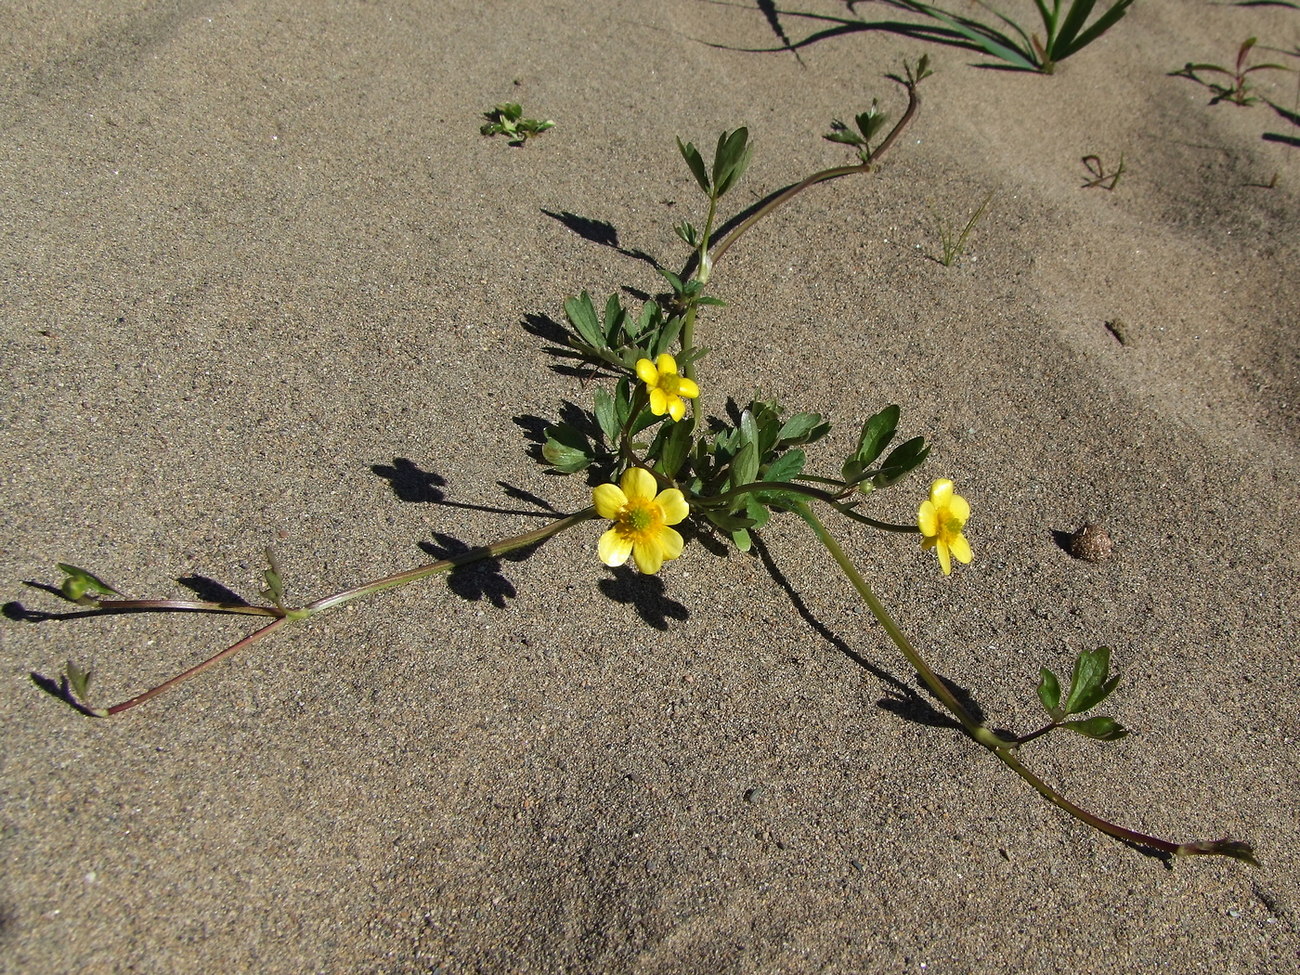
x=666, y=387
x=941, y=518
x=641, y=519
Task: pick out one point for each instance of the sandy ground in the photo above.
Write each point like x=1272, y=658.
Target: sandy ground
x=264, y=282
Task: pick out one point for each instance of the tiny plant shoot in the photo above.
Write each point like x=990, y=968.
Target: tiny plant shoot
x=952, y=240
x=508, y=119
x=662, y=461
x=1235, y=85
x=1099, y=176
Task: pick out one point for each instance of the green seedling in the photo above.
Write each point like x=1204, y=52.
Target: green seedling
x=508, y=119
x=1064, y=31
x=1237, y=88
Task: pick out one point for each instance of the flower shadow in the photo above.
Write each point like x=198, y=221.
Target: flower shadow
x=644, y=593
x=479, y=580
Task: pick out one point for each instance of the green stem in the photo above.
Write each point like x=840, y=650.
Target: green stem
x=913, y=103
x=793, y=487
x=1002, y=748
x=940, y=690
x=494, y=550
x=183, y=605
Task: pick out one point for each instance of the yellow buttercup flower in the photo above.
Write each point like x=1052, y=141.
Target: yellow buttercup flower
x=941, y=518
x=641, y=519
x=666, y=387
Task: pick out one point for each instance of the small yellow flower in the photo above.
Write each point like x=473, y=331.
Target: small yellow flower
x=641, y=519
x=665, y=386
x=941, y=518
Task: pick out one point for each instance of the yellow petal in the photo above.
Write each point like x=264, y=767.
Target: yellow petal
x=670, y=540
x=941, y=491
x=658, y=401
x=688, y=388
x=961, y=549
x=673, y=504
x=613, y=548
x=649, y=555
x=609, y=500
x=666, y=363
x=927, y=519
x=637, y=482
x=676, y=407
x=944, y=562
x=959, y=508
x=645, y=370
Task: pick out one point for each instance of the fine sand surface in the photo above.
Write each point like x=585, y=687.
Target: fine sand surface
x=264, y=283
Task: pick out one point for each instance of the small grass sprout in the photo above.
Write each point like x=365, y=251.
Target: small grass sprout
x=1097, y=174
x=1236, y=87
x=508, y=119
x=952, y=240
x=1064, y=31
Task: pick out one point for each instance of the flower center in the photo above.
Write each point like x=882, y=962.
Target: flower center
x=950, y=526
x=670, y=383
x=639, y=519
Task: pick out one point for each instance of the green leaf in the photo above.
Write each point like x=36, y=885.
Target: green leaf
x=689, y=235
x=673, y=280
x=78, y=582
x=1089, y=683
x=902, y=460
x=744, y=469
x=1100, y=728
x=566, y=449
x=786, y=467
x=740, y=538
x=730, y=160
x=607, y=416
x=877, y=432
x=756, y=510
x=614, y=318
x=676, y=445
x=78, y=680
x=582, y=315
x=840, y=133
x=667, y=337
x=693, y=160
x=728, y=522
x=274, y=590
x=870, y=122
x=798, y=429
x=1049, y=692
x=623, y=401
x=749, y=432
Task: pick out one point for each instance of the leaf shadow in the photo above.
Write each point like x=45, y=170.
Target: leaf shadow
x=599, y=232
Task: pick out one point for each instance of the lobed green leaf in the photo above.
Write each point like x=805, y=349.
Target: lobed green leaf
x=1089, y=683
x=901, y=461
x=786, y=467
x=1049, y=692
x=1099, y=728
x=582, y=316
x=695, y=162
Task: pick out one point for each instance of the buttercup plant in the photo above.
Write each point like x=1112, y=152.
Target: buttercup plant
x=664, y=463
